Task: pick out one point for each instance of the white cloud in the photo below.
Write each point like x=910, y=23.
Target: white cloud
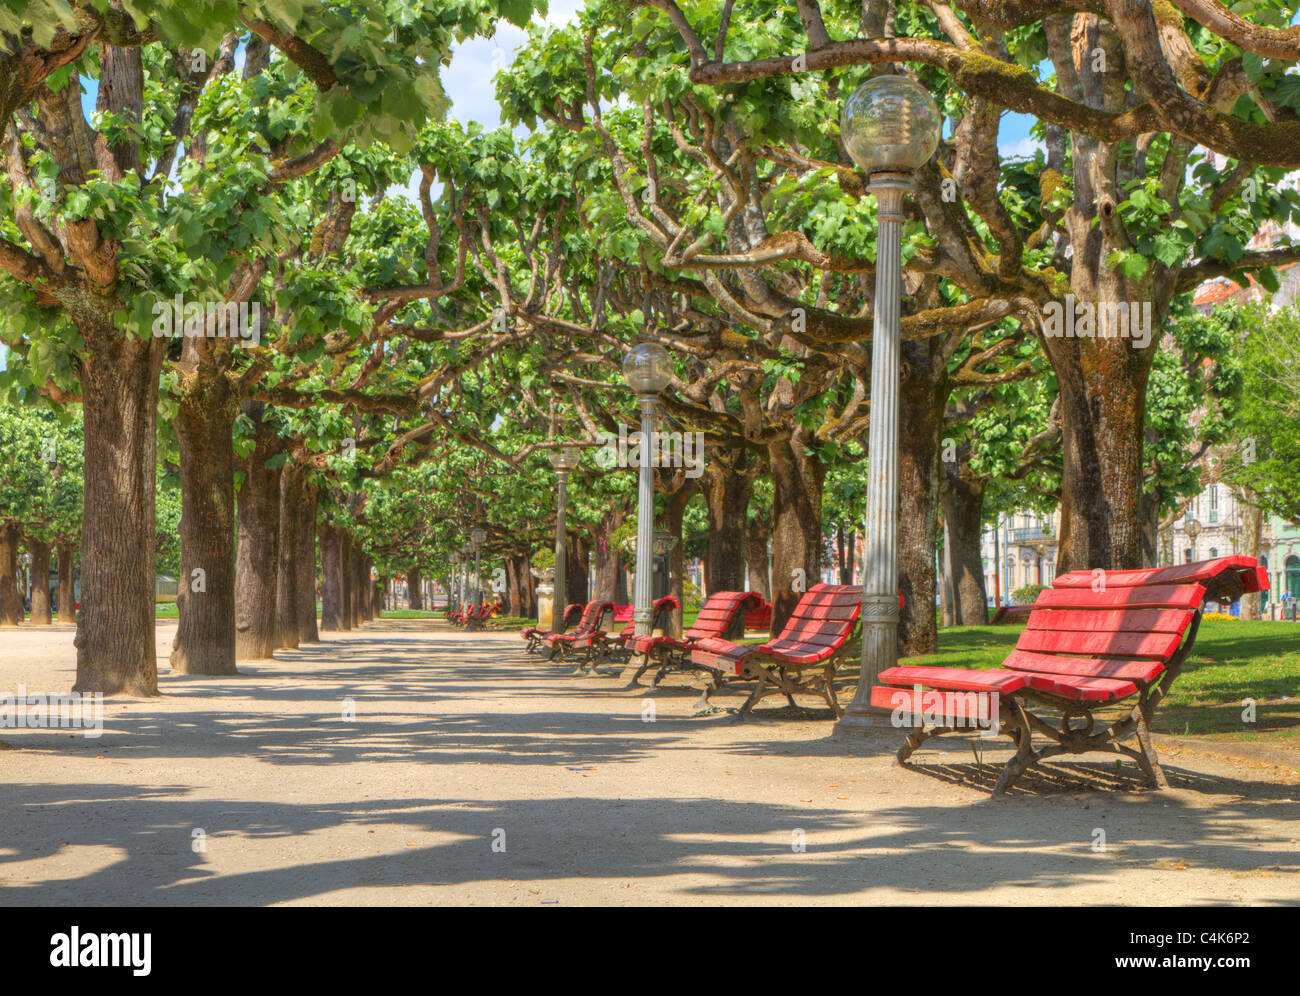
x=468, y=81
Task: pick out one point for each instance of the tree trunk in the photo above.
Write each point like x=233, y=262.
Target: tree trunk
x=1102, y=384
x=258, y=558
x=40, y=614
x=67, y=591
x=947, y=603
x=797, y=479
x=517, y=585
x=674, y=514
x=205, y=599
x=116, y=646
x=414, y=594
x=11, y=599
x=922, y=398
x=756, y=536
x=963, y=511
x=306, y=552
x=609, y=561
x=334, y=616
x=286, y=582
x=378, y=590
x=575, y=572
x=727, y=489
x=1252, y=528
x=348, y=575
x=365, y=588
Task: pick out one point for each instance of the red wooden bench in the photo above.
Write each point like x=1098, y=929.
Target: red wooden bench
x=1009, y=615
x=716, y=618
x=615, y=645
x=478, y=618
x=802, y=659
x=759, y=615
x=1094, y=639
x=535, y=635
x=583, y=639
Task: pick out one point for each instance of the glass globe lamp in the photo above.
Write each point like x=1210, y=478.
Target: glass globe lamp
x=564, y=459
x=890, y=124
x=647, y=368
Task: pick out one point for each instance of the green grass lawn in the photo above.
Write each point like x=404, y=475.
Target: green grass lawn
x=1231, y=661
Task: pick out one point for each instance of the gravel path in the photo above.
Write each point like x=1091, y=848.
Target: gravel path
x=471, y=773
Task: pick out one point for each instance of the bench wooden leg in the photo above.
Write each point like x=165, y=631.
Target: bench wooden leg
x=1024, y=756
x=1146, y=758
x=917, y=737
x=755, y=697
x=828, y=688
x=646, y=663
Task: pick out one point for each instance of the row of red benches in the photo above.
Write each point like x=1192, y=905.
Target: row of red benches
x=471, y=618
x=1093, y=640
x=592, y=641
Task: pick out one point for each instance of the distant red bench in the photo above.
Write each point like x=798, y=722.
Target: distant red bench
x=1095, y=638
x=536, y=636
x=715, y=619
x=1008, y=615
x=582, y=639
x=802, y=659
x=615, y=645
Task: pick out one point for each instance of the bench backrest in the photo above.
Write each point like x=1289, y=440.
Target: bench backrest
x=824, y=618
x=592, y=616
x=719, y=612
x=1130, y=623
x=658, y=608
x=759, y=616
x=572, y=614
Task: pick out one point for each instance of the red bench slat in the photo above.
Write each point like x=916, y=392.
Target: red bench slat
x=1204, y=570
x=1113, y=620
x=1183, y=596
x=1105, y=667
x=964, y=706
x=1157, y=645
x=1082, y=688
x=957, y=678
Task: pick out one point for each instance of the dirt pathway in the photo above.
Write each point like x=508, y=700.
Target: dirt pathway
x=410, y=764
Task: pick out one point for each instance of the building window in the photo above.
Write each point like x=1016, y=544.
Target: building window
x=1187, y=555
x=1214, y=550
x=1214, y=503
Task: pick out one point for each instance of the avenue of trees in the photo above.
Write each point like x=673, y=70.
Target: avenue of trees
x=405, y=362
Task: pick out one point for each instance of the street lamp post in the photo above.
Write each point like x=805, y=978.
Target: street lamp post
x=476, y=538
x=647, y=369
x=890, y=126
x=453, y=596
x=465, y=551
x=563, y=460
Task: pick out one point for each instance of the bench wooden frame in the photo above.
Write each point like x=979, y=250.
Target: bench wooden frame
x=536, y=636
x=1094, y=639
x=802, y=660
x=715, y=619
